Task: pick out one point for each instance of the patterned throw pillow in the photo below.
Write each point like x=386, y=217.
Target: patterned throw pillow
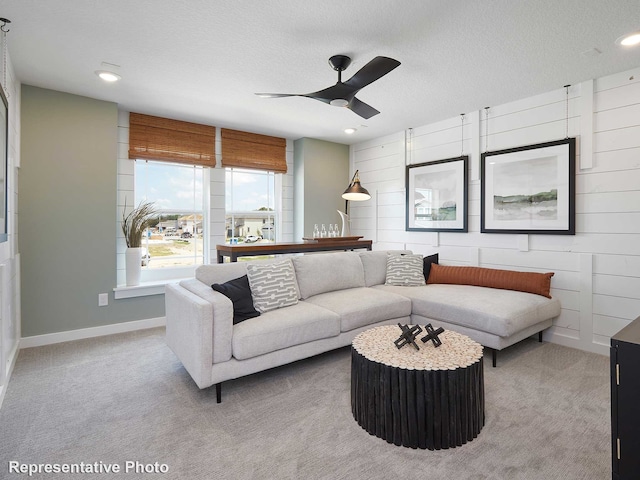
x=273, y=285
x=405, y=270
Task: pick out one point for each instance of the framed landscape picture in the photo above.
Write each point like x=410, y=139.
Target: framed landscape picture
x=437, y=195
x=529, y=189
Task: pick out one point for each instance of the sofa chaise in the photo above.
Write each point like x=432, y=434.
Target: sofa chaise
x=336, y=296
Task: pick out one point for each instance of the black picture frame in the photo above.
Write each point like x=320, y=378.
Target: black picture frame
x=4, y=149
x=443, y=183
x=529, y=189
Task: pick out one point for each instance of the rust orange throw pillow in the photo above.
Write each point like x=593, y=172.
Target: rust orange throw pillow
x=530, y=282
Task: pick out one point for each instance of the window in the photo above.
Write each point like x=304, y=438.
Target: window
x=177, y=237
x=250, y=204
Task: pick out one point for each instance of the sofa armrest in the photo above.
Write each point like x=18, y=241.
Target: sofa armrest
x=198, y=330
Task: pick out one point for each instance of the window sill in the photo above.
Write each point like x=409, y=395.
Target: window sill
x=145, y=289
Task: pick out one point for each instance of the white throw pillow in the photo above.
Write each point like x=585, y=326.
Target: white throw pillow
x=405, y=270
x=273, y=285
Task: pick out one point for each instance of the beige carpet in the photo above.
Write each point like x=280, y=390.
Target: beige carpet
x=127, y=398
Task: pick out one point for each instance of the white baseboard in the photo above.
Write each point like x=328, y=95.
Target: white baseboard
x=59, y=337
x=554, y=337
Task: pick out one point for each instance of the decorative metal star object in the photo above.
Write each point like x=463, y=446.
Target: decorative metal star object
x=408, y=336
x=432, y=335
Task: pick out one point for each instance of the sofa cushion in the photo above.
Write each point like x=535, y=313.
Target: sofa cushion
x=282, y=328
x=273, y=285
x=239, y=292
x=220, y=272
x=531, y=282
x=426, y=265
x=405, y=270
x=223, y=272
x=375, y=265
x=327, y=272
x=500, y=312
x=358, y=307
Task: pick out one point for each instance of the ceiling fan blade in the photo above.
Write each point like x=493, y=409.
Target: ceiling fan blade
x=278, y=95
x=362, y=109
x=372, y=71
x=339, y=90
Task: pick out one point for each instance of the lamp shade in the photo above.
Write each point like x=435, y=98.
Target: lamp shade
x=355, y=191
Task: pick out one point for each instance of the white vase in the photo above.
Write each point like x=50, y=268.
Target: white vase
x=133, y=263
x=346, y=224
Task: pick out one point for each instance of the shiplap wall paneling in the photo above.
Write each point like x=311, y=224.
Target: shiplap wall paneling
x=597, y=271
x=286, y=206
x=611, y=198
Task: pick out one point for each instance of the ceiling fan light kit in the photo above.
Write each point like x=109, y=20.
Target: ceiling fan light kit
x=343, y=94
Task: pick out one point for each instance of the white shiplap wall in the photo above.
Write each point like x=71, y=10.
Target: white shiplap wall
x=597, y=271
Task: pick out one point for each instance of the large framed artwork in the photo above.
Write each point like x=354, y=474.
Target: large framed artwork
x=529, y=189
x=4, y=156
x=437, y=195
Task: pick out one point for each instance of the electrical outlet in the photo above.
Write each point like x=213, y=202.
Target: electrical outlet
x=103, y=299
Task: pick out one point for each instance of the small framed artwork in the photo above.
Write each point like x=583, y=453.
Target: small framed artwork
x=437, y=195
x=529, y=189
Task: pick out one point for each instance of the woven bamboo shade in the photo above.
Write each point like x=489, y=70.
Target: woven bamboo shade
x=250, y=150
x=156, y=138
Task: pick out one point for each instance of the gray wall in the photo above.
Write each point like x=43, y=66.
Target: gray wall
x=67, y=226
x=321, y=174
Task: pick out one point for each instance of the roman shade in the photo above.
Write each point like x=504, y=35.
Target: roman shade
x=156, y=138
x=253, y=151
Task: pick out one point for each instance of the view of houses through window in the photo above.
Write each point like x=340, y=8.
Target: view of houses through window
x=175, y=238
x=250, y=206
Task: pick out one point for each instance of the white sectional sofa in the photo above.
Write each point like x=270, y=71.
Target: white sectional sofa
x=340, y=295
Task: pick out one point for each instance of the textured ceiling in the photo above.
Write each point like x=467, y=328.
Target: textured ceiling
x=203, y=60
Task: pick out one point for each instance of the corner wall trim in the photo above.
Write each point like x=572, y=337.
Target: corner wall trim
x=82, y=333
x=9, y=370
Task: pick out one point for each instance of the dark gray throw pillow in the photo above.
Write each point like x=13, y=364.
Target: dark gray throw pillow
x=239, y=292
x=426, y=265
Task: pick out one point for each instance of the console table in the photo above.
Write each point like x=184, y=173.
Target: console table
x=430, y=398
x=235, y=251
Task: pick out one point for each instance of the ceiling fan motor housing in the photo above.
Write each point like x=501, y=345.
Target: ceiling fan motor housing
x=339, y=62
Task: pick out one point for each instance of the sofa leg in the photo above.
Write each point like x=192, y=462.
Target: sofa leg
x=218, y=392
x=540, y=336
x=494, y=356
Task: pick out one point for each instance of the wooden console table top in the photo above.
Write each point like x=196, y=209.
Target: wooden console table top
x=235, y=251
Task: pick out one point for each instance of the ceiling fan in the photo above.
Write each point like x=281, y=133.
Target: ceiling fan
x=343, y=94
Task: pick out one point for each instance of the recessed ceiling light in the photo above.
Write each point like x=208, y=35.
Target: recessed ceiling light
x=349, y=131
x=108, y=76
x=629, y=39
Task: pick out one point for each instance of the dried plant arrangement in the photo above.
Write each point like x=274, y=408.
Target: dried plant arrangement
x=136, y=222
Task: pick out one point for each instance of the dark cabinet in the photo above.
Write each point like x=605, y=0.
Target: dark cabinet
x=625, y=402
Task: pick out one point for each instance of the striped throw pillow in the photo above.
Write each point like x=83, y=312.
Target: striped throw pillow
x=273, y=285
x=405, y=270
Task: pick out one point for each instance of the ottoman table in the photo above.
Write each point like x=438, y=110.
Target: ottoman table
x=430, y=398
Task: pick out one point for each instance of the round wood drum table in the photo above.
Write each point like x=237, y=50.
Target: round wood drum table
x=430, y=398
